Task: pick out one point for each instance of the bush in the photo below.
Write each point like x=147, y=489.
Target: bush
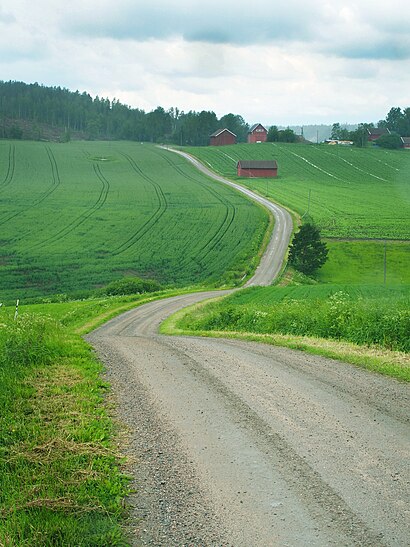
x=391, y=141
x=130, y=285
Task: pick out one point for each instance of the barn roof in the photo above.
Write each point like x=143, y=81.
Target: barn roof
x=255, y=125
x=257, y=164
x=379, y=131
x=405, y=140
x=219, y=131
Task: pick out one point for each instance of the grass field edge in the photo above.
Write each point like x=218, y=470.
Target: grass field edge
x=394, y=364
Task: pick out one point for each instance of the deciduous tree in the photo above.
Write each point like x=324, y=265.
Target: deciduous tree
x=307, y=252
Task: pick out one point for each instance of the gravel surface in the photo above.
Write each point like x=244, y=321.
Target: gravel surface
x=245, y=444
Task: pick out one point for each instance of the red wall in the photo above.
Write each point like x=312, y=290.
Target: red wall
x=255, y=137
x=222, y=139
x=257, y=173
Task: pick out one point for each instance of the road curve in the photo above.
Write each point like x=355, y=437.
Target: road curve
x=244, y=444
x=271, y=262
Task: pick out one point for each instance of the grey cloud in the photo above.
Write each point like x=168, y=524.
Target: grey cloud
x=376, y=50
x=239, y=22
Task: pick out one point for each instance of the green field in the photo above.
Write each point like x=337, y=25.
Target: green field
x=75, y=216
x=354, y=193
x=357, y=262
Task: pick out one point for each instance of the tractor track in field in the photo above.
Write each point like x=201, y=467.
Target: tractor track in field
x=56, y=181
x=220, y=232
x=154, y=218
x=356, y=167
x=11, y=167
x=77, y=222
x=271, y=262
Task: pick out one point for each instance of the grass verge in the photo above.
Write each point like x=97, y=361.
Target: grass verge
x=62, y=479
x=395, y=364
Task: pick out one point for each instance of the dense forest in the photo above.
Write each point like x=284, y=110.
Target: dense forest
x=34, y=111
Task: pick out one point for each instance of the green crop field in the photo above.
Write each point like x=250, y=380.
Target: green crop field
x=78, y=215
x=354, y=193
x=356, y=262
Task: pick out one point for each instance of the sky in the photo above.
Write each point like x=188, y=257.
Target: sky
x=284, y=62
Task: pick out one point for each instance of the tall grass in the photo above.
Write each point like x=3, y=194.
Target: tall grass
x=60, y=477
x=379, y=319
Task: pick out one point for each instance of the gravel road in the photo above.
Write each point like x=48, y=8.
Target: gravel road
x=244, y=444
x=250, y=445
x=272, y=260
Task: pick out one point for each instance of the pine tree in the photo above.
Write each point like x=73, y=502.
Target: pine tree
x=307, y=252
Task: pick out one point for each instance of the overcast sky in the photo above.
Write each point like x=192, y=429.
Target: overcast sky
x=272, y=61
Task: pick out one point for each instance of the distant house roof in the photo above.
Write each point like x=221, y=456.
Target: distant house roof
x=255, y=125
x=378, y=131
x=405, y=140
x=219, y=131
x=257, y=164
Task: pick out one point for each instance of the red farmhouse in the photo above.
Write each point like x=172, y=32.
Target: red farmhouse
x=406, y=142
x=222, y=137
x=257, y=133
x=257, y=169
x=375, y=132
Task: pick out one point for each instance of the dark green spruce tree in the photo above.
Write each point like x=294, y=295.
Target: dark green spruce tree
x=307, y=252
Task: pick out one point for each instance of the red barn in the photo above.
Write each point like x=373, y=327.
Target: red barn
x=257, y=169
x=375, y=132
x=257, y=133
x=406, y=142
x=222, y=137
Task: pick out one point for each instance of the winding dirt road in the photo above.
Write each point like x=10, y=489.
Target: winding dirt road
x=271, y=262
x=244, y=444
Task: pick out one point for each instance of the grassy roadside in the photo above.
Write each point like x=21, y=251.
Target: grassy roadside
x=395, y=364
x=62, y=479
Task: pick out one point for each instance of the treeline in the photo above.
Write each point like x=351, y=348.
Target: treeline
x=397, y=122
x=34, y=111
x=75, y=113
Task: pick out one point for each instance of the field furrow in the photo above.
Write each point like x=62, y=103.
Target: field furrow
x=348, y=192
x=11, y=166
x=154, y=218
x=219, y=230
x=98, y=211
x=55, y=183
x=77, y=222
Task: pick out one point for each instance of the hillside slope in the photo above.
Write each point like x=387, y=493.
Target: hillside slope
x=77, y=215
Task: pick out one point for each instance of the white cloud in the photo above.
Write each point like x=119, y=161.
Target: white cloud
x=273, y=61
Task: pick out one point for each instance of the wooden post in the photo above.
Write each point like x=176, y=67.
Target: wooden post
x=17, y=310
